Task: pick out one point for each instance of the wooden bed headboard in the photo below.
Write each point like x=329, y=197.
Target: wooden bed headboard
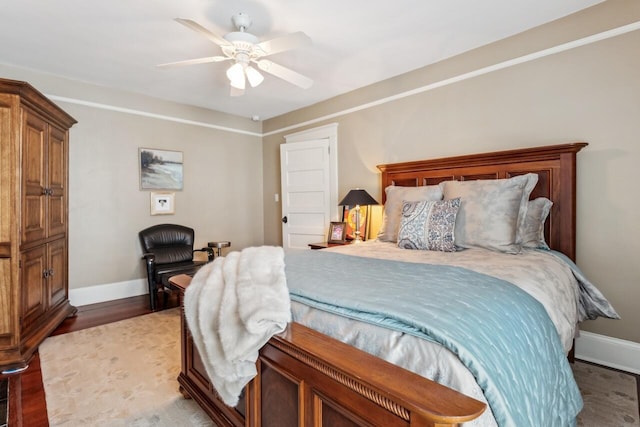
x=554, y=164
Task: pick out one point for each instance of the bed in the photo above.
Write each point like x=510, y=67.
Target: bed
x=306, y=377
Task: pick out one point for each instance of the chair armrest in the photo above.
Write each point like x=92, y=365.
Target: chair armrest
x=149, y=258
x=209, y=252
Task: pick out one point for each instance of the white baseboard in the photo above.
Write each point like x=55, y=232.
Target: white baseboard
x=108, y=292
x=608, y=351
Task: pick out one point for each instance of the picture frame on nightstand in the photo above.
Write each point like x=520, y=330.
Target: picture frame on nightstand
x=337, y=232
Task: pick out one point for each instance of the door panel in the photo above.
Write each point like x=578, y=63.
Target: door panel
x=306, y=186
x=34, y=303
x=33, y=178
x=56, y=200
x=57, y=272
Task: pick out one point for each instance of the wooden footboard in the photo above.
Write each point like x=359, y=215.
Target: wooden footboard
x=308, y=379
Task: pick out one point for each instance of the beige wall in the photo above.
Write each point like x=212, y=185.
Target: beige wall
x=222, y=196
x=589, y=93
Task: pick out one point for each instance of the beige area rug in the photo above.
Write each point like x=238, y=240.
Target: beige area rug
x=119, y=374
x=610, y=397
x=124, y=374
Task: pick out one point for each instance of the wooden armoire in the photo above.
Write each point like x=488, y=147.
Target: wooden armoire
x=34, y=291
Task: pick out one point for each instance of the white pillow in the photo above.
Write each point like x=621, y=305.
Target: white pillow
x=491, y=211
x=429, y=225
x=532, y=231
x=395, y=196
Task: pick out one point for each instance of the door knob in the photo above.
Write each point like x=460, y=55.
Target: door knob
x=284, y=219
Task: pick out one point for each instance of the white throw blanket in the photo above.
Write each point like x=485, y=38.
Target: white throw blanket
x=232, y=307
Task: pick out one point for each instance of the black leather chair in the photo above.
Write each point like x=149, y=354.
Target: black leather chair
x=168, y=251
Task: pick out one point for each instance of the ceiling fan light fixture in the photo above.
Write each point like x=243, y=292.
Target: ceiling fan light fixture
x=239, y=84
x=244, y=48
x=254, y=76
x=235, y=73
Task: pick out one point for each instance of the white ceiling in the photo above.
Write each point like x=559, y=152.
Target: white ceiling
x=117, y=43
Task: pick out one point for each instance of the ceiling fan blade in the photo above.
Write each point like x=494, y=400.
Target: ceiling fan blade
x=203, y=31
x=288, y=42
x=236, y=92
x=285, y=73
x=195, y=61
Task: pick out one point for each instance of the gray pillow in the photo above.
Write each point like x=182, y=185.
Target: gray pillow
x=491, y=211
x=532, y=231
x=395, y=196
x=428, y=225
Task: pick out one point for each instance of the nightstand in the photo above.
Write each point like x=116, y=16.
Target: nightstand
x=323, y=245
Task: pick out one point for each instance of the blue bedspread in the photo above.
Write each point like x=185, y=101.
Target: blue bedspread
x=499, y=332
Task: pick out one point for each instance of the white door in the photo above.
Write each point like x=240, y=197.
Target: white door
x=309, y=185
x=306, y=188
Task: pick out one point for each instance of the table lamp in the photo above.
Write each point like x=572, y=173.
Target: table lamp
x=357, y=198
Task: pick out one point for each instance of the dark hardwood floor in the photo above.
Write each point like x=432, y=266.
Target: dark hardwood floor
x=26, y=400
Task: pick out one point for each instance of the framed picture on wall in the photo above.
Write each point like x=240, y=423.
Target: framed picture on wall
x=160, y=169
x=162, y=203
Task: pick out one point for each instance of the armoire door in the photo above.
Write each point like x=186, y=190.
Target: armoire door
x=57, y=272
x=33, y=285
x=56, y=182
x=33, y=177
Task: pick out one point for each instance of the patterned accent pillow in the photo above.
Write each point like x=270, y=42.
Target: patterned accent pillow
x=428, y=225
x=532, y=231
x=491, y=211
x=395, y=196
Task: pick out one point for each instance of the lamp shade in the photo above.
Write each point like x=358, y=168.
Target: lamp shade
x=358, y=197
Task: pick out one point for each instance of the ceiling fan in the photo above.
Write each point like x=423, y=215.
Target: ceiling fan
x=244, y=49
